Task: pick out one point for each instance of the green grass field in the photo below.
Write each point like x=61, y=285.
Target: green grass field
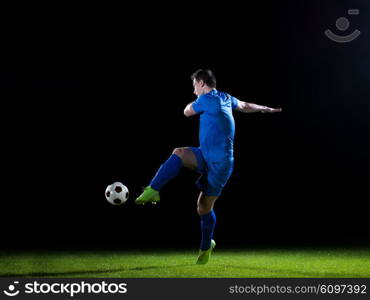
x=238, y=263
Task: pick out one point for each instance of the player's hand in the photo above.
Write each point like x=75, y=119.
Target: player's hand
x=270, y=110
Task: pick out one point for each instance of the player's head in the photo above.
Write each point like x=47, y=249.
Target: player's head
x=203, y=81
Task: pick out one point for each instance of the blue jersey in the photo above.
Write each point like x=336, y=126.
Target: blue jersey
x=217, y=126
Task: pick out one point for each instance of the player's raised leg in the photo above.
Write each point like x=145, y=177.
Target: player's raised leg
x=169, y=169
x=208, y=223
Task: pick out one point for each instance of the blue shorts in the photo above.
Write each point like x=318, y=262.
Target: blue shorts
x=214, y=175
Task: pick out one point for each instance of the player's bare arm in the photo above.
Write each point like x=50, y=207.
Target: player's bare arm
x=189, y=111
x=251, y=108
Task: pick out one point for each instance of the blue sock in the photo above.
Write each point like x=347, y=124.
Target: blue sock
x=166, y=172
x=207, y=224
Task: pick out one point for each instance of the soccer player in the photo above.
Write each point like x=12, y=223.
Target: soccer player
x=214, y=158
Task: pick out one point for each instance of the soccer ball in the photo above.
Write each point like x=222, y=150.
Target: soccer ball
x=116, y=193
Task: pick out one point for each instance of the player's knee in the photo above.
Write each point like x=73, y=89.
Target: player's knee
x=179, y=152
x=203, y=210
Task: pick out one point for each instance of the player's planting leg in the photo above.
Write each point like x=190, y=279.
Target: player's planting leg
x=208, y=224
x=168, y=170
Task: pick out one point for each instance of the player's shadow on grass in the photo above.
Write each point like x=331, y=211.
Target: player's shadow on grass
x=302, y=273
x=92, y=272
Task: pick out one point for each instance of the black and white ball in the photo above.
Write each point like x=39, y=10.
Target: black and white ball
x=116, y=193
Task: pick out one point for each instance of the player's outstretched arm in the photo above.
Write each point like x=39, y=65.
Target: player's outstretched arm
x=251, y=107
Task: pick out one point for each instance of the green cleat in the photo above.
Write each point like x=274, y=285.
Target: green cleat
x=149, y=195
x=204, y=255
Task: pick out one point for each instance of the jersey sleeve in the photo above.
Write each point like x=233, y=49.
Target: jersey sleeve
x=234, y=102
x=200, y=105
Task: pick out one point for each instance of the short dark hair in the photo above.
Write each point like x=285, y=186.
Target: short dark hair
x=206, y=75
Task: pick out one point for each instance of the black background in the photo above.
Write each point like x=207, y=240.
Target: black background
x=93, y=95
